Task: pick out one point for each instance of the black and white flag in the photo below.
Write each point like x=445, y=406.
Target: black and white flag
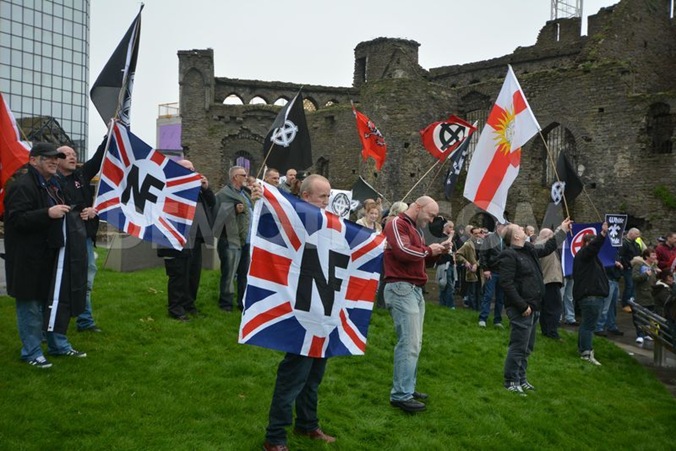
x=287, y=144
x=616, y=225
x=111, y=92
x=569, y=184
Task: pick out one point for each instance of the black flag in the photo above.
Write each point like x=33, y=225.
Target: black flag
x=569, y=184
x=361, y=191
x=287, y=144
x=111, y=92
x=457, y=159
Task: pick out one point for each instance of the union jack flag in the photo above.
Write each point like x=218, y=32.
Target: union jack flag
x=145, y=194
x=312, y=279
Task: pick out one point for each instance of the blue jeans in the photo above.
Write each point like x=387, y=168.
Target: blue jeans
x=298, y=379
x=521, y=343
x=407, y=306
x=491, y=286
x=473, y=295
x=567, y=296
x=609, y=309
x=29, y=321
x=446, y=294
x=590, y=308
x=85, y=320
x=229, y=255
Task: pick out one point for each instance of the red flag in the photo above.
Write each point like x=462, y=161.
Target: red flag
x=442, y=138
x=497, y=156
x=372, y=141
x=13, y=152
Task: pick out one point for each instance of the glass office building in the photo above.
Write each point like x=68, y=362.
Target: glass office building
x=44, y=62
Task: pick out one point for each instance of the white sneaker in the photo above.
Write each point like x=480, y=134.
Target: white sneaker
x=589, y=357
x=482, y=323
x=648, y=338
x=639, y=340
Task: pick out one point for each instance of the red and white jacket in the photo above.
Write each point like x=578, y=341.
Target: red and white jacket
x=406, y=254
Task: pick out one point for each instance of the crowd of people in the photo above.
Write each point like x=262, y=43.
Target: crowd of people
x=49, y=219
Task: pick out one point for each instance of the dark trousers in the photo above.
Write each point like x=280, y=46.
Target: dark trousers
x=184, y=274
x=521, y=344
x=298, y=379
x=242, y=271
x=551, y=310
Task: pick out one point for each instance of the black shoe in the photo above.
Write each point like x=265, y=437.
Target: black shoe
x=601, y=333
x=196, y=314
x=617, y=332
x=420, y=396
x=225, y=309
x=90, y=329
x=410, y=405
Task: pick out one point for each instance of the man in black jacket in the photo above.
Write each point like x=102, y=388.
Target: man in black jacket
x=76, y=183
x=489, y=261
x=35, y=237
x=184, y=267
x=523, y=283
x=590, y=289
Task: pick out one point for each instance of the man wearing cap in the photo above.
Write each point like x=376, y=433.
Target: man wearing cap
x=35, y=238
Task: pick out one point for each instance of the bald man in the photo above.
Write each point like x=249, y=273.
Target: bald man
x=184, y=267
x=406, y=256
x=298, y=376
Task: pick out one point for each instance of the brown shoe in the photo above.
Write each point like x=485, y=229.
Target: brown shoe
x=317, y=434
x=269, y=447
x=627, y=309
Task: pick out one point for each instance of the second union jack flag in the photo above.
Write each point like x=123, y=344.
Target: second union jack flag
x=312, y=279
x=144, y=193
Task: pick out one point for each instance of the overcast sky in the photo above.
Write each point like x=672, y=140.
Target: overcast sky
x=300, y=41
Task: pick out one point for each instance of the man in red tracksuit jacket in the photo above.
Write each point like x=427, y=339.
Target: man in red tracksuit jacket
x=405, y=258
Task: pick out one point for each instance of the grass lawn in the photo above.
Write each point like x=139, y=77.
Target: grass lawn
x=152, y=383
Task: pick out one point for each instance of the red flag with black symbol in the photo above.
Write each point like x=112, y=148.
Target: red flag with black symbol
x=372, y=141
x=442, y=138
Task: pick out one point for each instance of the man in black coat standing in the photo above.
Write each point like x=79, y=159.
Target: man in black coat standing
x=35, y=240
x=184, y=267
x=523, y=283
x=590, y=289
x=76, y=183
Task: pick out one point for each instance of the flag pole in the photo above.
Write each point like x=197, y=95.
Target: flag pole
x=265, y=160
x=441, y=166
x=420, y=180
x=556, y=173
x=125, y=77
x=110, y=132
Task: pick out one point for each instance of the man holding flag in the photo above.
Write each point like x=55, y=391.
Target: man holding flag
x=299, y=376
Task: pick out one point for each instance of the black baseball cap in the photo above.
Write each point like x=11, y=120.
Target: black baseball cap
x=46, y=150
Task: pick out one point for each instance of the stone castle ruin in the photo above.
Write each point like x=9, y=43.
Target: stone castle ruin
x=604, y=99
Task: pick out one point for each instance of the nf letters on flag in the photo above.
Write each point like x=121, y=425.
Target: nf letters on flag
x=13, y=151
x=569, y=184
x=372, y=141
x=287, y=145
x=144, y=193
x=111, y=92
x=497, y=156
x=442, y=138
x=312, y=279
